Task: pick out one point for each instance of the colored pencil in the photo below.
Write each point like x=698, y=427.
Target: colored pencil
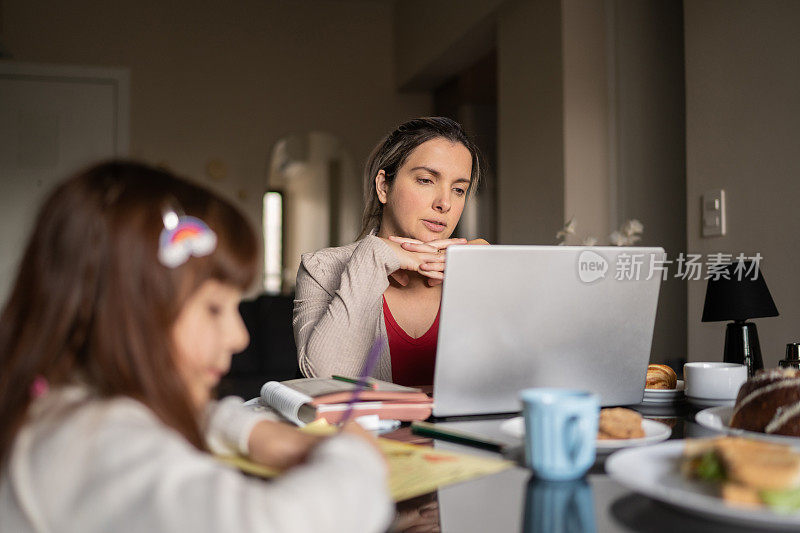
x=354, y=381
x=369, y=364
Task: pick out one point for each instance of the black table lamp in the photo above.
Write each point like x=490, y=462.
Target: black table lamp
x=738, y=298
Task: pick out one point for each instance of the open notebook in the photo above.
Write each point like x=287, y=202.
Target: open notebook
x=304, y=400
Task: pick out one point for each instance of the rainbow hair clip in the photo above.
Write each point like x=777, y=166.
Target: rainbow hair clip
x=183, y=237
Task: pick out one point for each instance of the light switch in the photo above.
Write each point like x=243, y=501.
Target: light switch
x=713, y=219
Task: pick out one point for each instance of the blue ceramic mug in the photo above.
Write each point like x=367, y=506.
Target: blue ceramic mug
x=560, y=432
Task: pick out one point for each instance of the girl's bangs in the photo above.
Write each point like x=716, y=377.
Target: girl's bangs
x=233, y=264
x=235, y=260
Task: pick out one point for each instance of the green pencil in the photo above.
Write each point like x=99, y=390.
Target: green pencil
x=353, y=381
x=426, y=429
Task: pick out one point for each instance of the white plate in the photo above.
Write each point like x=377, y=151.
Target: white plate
x=655, y=472
x=653, y=432
x=667, y=393
x=718, y=418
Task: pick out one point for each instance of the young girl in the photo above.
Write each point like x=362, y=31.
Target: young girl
x=388, y=284
x=122, y=319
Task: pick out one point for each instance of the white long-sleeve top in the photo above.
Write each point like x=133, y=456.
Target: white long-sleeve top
x=87, y=465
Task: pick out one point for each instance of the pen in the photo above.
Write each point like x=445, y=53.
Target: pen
x=353, y=381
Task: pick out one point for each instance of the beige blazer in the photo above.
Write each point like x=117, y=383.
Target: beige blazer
x=338, y=308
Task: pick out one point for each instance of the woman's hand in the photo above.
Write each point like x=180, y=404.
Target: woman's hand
x=438, y=246
x=434, y=251
x=419, y=254
x=280, y=445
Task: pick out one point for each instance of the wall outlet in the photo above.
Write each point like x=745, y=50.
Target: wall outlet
x=713, y=213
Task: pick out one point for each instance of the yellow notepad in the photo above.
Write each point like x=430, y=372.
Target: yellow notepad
x=413, y=469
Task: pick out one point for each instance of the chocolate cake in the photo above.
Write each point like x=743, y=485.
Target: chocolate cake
x=769, y=402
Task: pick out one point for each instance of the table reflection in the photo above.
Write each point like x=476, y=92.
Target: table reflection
x=514, y=501
x=418, y=515
x=559, y=507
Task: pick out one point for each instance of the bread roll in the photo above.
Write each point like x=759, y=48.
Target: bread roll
x=619, y=423
x=769, y=402
x=661, y=377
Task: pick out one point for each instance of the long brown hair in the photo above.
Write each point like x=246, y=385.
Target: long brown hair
x=92, y=303
x=392, y=152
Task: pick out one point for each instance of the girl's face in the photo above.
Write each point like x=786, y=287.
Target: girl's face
x=207, y=332
x=427, y=197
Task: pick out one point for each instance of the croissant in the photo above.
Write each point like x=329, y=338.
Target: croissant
x=661, y=377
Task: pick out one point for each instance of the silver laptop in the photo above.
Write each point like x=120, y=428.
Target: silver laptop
x=514, y=317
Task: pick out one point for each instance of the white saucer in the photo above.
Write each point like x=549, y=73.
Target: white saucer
x=661, y=393
x=664, y=396
x=706, y=402
x=653, y=432
x=662, y=401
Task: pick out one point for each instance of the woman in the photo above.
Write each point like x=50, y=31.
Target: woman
x=387, y=285
x=122, y=319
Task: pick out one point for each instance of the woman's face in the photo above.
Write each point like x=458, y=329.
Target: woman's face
x=427, y=197
x=207, y=332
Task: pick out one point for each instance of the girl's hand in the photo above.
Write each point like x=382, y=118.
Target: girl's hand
x=353, y=428
x=280, y=445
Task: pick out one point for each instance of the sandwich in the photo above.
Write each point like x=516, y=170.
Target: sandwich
x=748, y=472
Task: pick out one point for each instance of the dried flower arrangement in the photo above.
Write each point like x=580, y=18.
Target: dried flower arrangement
x=627, y=235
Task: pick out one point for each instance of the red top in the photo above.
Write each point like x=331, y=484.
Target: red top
x=412, y=359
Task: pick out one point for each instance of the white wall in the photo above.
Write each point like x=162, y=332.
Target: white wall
x=590, y=123
x=53, y=120
x=434, y=40
x=308, y=198
x=586, y=118
x=649, y=145
x=743, y=135
x=530, y=173
x=226, y=81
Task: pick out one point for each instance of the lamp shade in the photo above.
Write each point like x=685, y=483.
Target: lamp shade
x=738, y=299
